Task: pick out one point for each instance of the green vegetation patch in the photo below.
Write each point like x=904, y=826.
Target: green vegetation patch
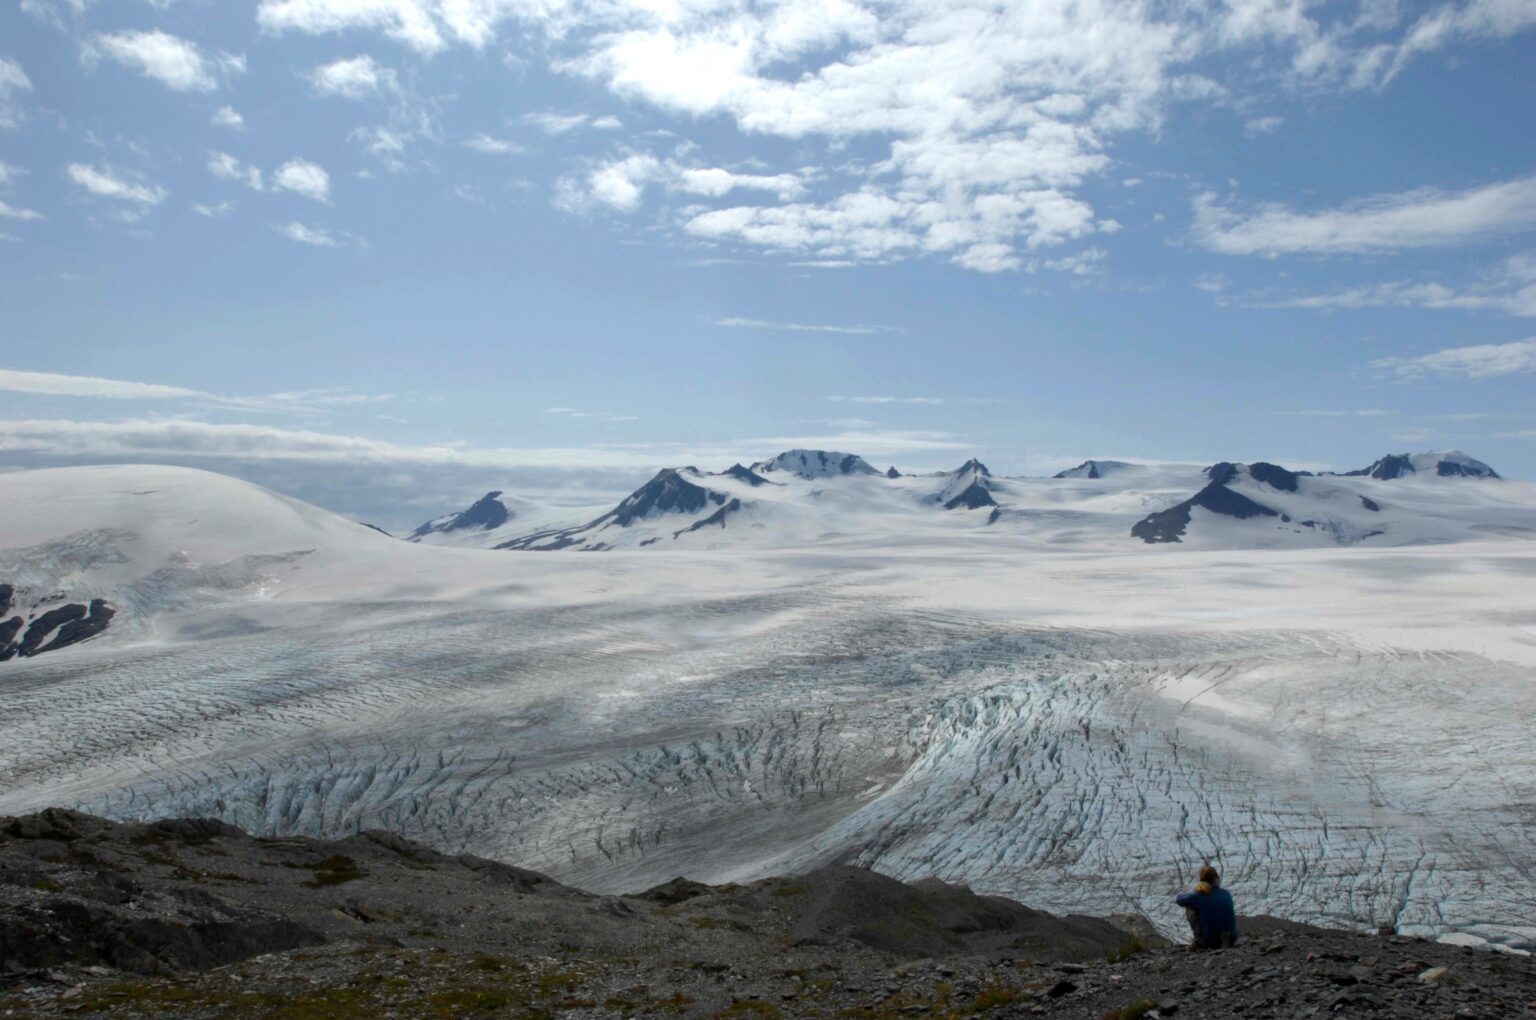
x=1127, y=950
x=334, y=870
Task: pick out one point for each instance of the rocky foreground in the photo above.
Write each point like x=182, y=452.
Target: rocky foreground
x=193, y=918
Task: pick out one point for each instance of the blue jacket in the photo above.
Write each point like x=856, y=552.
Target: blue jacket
x=1217, y=916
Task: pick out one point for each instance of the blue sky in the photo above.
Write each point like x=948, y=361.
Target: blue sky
x=388, y=254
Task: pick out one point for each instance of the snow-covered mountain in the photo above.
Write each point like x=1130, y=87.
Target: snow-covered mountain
x=493, y=519
x=1092, y=469
x=810, y=497
x=1442, y=463
x=815, y=464
x=967, y=488
x=1400, y=500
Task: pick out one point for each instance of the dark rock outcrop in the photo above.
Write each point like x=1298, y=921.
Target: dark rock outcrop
x=1274, y=476
x=1447, y=464
x=714, y=520
x=77, y=630
x=1169, y=525
x=1223, y=472
x=1091, y=469
x=815, y=464
x=972, y=497
x=7, y=593
x=891, y=472
x=745, y=474
x=670, y=492
x=67, y=625
x=486, y=513
x=1393, y=465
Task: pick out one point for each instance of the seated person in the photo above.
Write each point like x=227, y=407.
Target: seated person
x=1212, y=917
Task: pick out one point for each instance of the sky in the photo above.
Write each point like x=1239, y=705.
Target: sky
x=386, y=255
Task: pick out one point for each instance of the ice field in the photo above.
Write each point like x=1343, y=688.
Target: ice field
x=1041, y=707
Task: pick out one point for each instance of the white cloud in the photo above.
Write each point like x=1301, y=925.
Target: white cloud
x=490, y=146
x=52, y=384
x=304, y=178
x=105, y=182
x=1363, y=413
x=888, y=400
x=977, y=122
x=1088, y=262
x=317, y=237
x=715, y=182
x=227, y=168
x=1212, y=283
x=188, y=438
x=608, y=123
x=298, y=402
x=10, y=173
x=556, y=123
x=1444, y=25
x=857, y=329
x=1424, y=218
x=213, y=211
x=11, y=212
x=1509, y=288
x=1477, y=361
x=1263, y=125
x=407, y=21
x=13, y=82
x=354, y=78
x=174, y=62
x=229, y=118
x=573, y=412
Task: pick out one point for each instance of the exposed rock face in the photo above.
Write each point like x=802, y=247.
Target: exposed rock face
x=668, y=492
x=745, y=474
x=1092, y=469
x=714, y=520
x=1370, y=504
x=1223, y=472
x=1274, y=476
x=816, y=464
x=1394, y=465
x=671, y=491
x=1169, y=525
x=1444, y=463
x=51, y=629
x=972, y=497
x=486, y=513
x=892, y=472
x=969, y=487
x=79, y=627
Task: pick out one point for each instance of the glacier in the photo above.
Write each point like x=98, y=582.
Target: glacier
x=1074, y=723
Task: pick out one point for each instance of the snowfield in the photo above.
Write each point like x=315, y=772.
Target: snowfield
x=1022, y=697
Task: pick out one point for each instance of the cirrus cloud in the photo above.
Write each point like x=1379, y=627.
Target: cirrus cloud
x=1474, y=361
x=1423, y=218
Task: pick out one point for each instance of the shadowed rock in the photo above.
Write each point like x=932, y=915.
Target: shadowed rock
x=745, y=474
x=1169, y=525
x=1274, y=476
x=486, y=513
x=974, y=496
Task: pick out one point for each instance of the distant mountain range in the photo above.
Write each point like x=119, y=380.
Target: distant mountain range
x=802, y=496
